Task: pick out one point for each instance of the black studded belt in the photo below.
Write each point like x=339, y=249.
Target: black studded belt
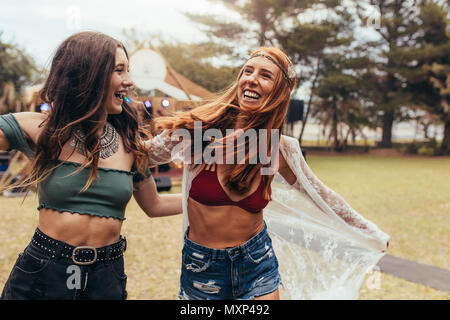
x=81, y=255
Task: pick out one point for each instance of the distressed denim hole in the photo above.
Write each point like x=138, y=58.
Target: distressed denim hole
x=210, y=287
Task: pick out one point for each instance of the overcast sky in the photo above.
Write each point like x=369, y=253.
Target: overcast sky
x=40, y=26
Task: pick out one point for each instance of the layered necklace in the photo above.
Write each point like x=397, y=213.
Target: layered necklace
x=109, y=141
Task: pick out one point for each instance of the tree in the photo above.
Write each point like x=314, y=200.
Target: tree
x=16, y=70
x=311, y=44
x=342, y=100
x=260, y=21
x=428, y=65
x=398, y=29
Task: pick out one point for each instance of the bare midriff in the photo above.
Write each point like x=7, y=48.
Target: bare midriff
x=223, y=226
x=79, y=229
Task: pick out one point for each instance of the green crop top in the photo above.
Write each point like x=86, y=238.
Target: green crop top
x=106, y=197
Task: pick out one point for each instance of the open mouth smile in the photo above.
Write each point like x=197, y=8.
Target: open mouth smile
x=251, y=95
x=120, y=96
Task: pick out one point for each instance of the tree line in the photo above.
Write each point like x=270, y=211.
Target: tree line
x=364, y=64
x=17, y=69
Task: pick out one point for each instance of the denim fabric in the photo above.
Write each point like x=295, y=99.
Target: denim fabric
x=242, y=272
x=37, y=275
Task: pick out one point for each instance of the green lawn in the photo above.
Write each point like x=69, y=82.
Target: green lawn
x=407, y=197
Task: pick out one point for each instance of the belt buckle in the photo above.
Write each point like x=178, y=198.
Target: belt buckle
x=84, y=263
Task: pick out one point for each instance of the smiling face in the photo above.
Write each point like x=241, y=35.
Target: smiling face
x=120, y=83
x=256, y=82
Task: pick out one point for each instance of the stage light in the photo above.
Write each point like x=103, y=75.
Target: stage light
x=127, y=100
x=148, y=108
x=165, y=103
x=45, y=107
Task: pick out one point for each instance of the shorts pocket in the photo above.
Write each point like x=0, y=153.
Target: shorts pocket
x=28, y=277
x=31, y=264
x=260, y=253
x=195, y=261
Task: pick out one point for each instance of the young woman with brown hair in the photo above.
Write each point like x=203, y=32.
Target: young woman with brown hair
x=88, y=158
x=228, y=253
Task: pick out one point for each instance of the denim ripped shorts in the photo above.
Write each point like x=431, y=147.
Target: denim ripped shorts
x=242, y=272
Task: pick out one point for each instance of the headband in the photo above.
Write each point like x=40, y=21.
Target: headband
x=288, y=75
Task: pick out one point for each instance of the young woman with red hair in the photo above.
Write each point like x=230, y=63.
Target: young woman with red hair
x=229, y=197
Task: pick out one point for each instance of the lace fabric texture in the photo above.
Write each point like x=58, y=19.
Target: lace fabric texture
x=324, y=247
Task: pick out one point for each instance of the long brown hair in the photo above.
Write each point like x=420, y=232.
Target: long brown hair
x=222, y=112
x=77, y=89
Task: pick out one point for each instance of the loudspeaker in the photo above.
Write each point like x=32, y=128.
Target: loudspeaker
x=163, y=183
x=295, y=110
x=164, y=167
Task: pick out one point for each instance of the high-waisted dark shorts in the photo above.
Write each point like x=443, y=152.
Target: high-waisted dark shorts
x=242, y=272
x=46, y=270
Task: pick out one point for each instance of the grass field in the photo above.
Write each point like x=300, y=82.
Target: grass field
x=407, y=197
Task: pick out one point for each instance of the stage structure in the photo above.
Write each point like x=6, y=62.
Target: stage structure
x=151, y=72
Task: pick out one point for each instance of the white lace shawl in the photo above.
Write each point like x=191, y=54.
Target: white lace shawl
x=324, y=247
